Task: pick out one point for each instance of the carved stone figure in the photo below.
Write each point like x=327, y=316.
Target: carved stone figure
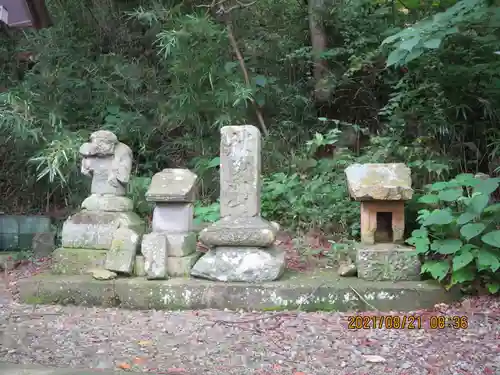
x=108, y=162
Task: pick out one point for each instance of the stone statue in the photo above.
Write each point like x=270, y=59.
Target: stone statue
x=108, y=162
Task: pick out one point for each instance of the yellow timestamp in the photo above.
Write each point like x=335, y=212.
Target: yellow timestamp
x=407, y=322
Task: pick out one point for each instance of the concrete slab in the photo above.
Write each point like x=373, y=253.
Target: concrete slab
x=319, y=290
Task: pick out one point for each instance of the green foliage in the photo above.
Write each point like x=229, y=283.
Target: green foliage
x=459, y=234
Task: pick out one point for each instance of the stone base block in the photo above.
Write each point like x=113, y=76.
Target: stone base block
x=181, y=244
x=95, y=230
x=247, y=264
x=317, y=290
x=139, y=266
x=387, y=261
x=121, y=255
x=107, y=203
x=240, y=231
x=173, y=217
x=181, y=266
x=155, y=249
x=68, y=261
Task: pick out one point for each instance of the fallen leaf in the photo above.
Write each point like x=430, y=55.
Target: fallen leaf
x=374, y=358
x=124, y=366
x=138, y=360
x=144, y=342
x=299, y=373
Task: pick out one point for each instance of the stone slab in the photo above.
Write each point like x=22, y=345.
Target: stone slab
x=239, y=231
x=181, y=266
x=181, y=244
x=68, y=261
x=139, y=266
x=247, y=264
x=154, y=248
x=387, y=261
x=318, y=290
x=95, y=229
x=173, y=185
x=107, y=203
x=173, y=217
x=379, y=181
x=121, y=255
x=240, y=169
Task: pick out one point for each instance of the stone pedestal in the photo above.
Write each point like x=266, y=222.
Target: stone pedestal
x=106, y=232
x=170, y=250
x=385, y=261
x=241, y=241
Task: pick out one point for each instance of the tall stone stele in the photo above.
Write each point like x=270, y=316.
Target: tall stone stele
x=241, y=242
x=170, y=249
x=382, y=190
x=106, y=233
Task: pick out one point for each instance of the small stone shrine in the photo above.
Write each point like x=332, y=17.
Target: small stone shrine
x=106, y=233
x=170, y=250
x=241, y=242
x=382, y=190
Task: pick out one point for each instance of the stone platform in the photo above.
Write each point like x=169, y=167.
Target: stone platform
x=319, y=290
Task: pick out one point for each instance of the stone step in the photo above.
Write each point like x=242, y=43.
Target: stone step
x=387, y=262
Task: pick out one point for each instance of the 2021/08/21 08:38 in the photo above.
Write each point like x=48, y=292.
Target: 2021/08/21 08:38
x=407, y=322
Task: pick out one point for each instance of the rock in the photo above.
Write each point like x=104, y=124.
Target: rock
x=181, y=244
x=121, y=255
x=155, y=250
x=239, y=231
x=173, y=185
x=347, y=270
x=240, y=170
x=95, y=230
x=107, y=203
x=67, y=261
x=247, y=264
x=173, y=217
x=139, y=266
x=387, y=262
x=379, y=181
x=180, y=266
x=100, y=274
x=43, y=244
x=275, y=225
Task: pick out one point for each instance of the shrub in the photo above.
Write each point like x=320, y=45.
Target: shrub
x=459, y=236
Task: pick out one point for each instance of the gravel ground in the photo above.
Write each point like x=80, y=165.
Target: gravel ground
x=237, y=343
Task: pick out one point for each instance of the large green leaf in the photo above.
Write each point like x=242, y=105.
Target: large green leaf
x=487, y=186
x=487, y=260
x=438, y=217
x=469, y=231
x=466, y=217
x=492, y=208
x=478, y=203
x=462, y=275
x=450, y=195
x=446, y=246
x=492, y=238
x=429, y=199
x=462, y=259
x=437, y=268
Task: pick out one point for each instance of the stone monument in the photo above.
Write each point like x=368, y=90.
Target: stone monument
x=106, y=232
x=241, y=242
x=382, y=190
x=170, y=250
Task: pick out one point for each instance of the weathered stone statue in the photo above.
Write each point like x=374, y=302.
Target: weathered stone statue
x=106, y=233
